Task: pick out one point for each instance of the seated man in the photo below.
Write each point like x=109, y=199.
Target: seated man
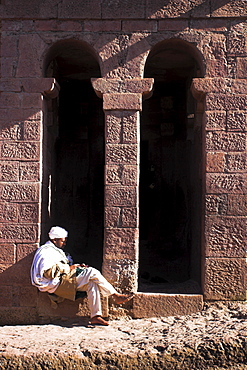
x=52, y=273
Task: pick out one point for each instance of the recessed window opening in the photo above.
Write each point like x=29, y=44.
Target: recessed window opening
x=76, y=141
x=170, y=176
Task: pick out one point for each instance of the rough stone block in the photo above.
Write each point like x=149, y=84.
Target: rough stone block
x=11, y=132
x=8, y=67
x=10, y=85
x=216, y=67
x=118, y=101
x=9, y=46
x=230, y=8
x=130, y=217
x=24, y=250
x=130, y=175
x=29, y=171
x=45, y=25
x=31, y=49
x=173, y=24
x=236, y=162
x=215, y=120
x=125, y=9
x=226, y=102
x=120, y=196
x=8, y=99
x=228, y=142
x=241, y=67
x=113, y=174
x=216, y=204
x=121, y=174
x=19, y=192
x=215, y=162
x=7, y=254
x=18, y=233
x=28, y=296
x=121, y=243
x=113, y=127
x=237, y=205
x=31, y=100
x=141, y=26
x=121, y=153
x=121, y=273
x=236, y=121
x=8, y=212
x=236, y=44
x=131, y=128
x=169, y=9
x=209, y=24
x=225, y=279
x=112, y=216
x=18, y=316
x=157, y=305
x=99, y=26
x=70, y=26
x=225, y=237
x=6, y=296
x=226, y=183
x=83, y=9
x=28, y=213
x=9, y=171
x=20, y=150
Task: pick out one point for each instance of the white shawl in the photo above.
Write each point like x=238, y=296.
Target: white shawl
x=45, y=257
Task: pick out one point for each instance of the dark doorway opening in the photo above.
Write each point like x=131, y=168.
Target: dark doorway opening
x=170, y=176
x=77, y=136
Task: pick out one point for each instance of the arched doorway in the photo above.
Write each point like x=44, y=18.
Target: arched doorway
x=170, y=174
x=75, y=146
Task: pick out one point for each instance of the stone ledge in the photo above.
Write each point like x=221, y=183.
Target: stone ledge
x=156, y=305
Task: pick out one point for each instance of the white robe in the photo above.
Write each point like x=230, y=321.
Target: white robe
x=46, y=257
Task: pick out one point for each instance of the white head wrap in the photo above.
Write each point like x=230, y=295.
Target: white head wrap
x=57, y=232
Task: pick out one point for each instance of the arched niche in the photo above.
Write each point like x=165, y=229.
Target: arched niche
x=74, y=151
x=171, y=173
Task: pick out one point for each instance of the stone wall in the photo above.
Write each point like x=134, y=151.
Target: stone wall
x=120, y=35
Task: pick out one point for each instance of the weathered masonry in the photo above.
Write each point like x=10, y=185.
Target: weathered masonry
x=125, y=123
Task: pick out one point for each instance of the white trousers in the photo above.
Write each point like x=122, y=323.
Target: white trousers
x=93, y=282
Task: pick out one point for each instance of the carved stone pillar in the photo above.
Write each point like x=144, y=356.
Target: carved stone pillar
x=122, y=103
x=224, y=126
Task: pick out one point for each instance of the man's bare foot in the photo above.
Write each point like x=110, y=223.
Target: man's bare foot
x=122, y=298
x=98, y=320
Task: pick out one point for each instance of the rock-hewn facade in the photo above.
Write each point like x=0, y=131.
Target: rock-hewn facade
x=125, y=123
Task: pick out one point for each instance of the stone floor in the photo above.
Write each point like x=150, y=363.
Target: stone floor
x=215, y=338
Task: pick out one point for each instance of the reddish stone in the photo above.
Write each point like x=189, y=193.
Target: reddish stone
x=215, y=162
x=10, y=100
x=142, y=26
x=131, y=127
x=225, y=237
x=226, y=183
x=8, y=254
x=19, y=192
x=126, y=101
x=24, y=250
x=70, y=26
x=215, y=120
x=45, y=25
x=29, y=171
x=225, y=279
x=230, y=8
x=82, y=9
x=31, y=100
x=221, y=141
x=113, y=127
x=236, y=44
x=237, y=205
x=28, y=213
x=130, y=217
x=126, y=9
x=31, y=130
x=112, y=217
x=9, y=171
x=19, y=150
x=236, y=121
x=241, y=67
x=28, y=296
x=121, y=153
x=99, y=26
x=9, y=46
x=216, y=204
x=18, y=233
x=236, y=162
x=173, y=24
x=8, y=212
x=169, y=9
x=120, y=196
x=6, y=296
x=209, y=25
x=121, y=244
